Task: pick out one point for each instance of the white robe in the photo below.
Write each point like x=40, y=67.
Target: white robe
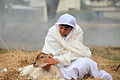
x=80, y=67
x=70, y=51
x=65, y=50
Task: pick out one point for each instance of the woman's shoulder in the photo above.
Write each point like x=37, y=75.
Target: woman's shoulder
x=53, y=28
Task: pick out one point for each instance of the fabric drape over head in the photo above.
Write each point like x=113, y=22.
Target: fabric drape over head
x=69, y=48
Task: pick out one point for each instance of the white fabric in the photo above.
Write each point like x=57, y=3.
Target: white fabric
x=82, y=66
x=66, y=50
x=104, y=75
x=67, y=19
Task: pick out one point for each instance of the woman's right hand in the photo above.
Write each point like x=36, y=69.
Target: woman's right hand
x=52, y=61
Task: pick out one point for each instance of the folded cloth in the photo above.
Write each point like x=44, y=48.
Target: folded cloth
x=104, y=75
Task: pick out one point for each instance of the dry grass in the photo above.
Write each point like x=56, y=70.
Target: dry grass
x=108, y=58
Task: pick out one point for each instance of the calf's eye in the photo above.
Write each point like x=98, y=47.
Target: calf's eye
x=42, y=57
x=50, y=57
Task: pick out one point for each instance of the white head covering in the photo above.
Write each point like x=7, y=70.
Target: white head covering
x=67, y=19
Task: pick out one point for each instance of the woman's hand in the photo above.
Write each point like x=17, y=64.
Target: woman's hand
x=50, y=62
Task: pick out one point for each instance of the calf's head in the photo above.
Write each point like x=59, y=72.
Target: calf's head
x=41, y=59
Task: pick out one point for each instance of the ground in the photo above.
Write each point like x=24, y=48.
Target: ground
x=107, y=57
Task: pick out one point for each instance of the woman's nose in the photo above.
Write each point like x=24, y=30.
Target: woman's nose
x=62, y=30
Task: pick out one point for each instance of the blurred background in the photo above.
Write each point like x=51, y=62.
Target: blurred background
x=25, y=23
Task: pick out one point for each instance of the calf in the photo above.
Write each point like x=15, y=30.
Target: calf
x=43, y=69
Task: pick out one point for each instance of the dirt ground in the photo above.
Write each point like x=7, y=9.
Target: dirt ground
x=107, y=57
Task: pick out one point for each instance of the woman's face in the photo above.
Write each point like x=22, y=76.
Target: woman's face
x=64, y=31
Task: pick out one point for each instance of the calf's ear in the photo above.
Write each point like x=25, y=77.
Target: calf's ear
x=37, y=57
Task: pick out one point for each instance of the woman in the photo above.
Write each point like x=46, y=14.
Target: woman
x=64, y=41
